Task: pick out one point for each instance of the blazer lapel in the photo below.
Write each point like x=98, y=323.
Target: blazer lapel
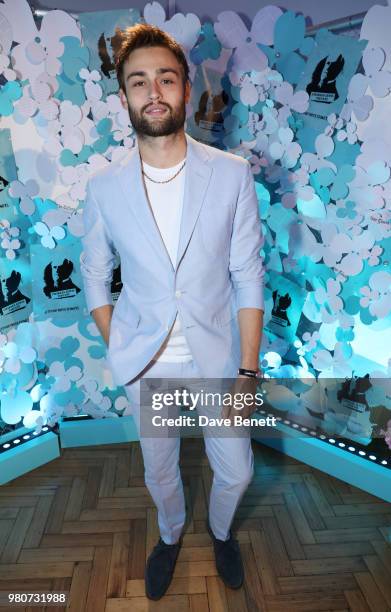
x=132, y=184
x=198, y=174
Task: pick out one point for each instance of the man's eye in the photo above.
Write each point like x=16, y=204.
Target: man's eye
x=168, y=81
x=138, y=83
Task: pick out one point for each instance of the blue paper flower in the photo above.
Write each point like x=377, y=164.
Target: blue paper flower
x=49, y=235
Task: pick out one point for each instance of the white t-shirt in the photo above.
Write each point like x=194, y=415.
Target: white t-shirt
x=166, y=200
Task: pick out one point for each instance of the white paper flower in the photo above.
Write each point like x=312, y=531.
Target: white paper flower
x=300, y=179
x=122, y=128
x=184, y=28
x=331, y=366
x=377, y=79
x=75, y=177
x=25, y=191
x=257, y=163
x=249, y=93
x=8, y=73
x=366, y=189
x=96, y=403
x=284, y=149
x=92, y=89
x=290, y=101
x=50, y=410
x=329, y=295
x=311, y=340
x=349, y=251
x=64, y=378
x=334, y=123
x=324, y=147
x=9, y=240
x=255, y=86
x=233, y=34
x=15, y=355
x=349, y=133
x=372, y=255
x=26, y=106
x=357, y=101
x=38, y=99
x=72, y=137
x=38, y=50
x=378, y=294
x=269, y=123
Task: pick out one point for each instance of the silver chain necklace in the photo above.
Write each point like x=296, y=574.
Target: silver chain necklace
x=168, y=180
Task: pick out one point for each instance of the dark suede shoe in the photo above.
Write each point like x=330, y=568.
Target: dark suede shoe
x=228, y=560
x=160, y=568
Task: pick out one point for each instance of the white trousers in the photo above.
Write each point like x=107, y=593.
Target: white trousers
x=230, y=457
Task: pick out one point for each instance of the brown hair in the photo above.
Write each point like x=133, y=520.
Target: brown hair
x=144, y=35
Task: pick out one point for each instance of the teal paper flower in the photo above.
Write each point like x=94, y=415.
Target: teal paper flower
x=67, y=158
x=289, y=46
x=344, y=335
x=235, y=126
x=333, y=185
x=9, y=93
x=106, y=138
x=70, y=85
x=349, y=210
x=208, y=48
x=64, y=353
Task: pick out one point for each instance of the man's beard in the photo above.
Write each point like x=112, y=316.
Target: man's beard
x=171, y=123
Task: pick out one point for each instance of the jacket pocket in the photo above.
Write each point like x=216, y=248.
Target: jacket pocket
x=120, y=328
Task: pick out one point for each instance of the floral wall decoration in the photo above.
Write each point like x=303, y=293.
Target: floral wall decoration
x=308, y=112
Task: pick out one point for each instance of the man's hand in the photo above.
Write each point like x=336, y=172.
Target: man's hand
x=102, y=317
x=246, y=387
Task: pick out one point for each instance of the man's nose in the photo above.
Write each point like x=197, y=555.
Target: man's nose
x=154, y=91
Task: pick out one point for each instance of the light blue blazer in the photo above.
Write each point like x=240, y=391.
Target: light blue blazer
x=218, y=270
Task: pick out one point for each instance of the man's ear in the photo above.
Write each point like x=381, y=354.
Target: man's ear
x=187, y=91
x=123, y=99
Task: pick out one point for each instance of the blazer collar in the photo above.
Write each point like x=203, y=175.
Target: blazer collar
x=198, y=173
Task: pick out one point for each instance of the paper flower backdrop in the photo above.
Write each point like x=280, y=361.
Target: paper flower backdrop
x=324, y=197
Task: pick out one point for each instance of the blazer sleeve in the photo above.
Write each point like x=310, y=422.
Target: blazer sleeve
x=246, y=265
x=98, y=257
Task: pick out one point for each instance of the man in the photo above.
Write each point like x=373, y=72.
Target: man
x=183, y=217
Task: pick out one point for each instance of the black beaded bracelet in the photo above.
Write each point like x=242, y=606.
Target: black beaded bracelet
x=250, y=373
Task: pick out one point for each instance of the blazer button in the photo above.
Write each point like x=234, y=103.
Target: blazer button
x=178, y=293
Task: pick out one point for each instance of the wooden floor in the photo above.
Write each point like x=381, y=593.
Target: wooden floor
x=85, y=523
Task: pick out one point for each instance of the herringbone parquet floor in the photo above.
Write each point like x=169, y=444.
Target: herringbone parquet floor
x=85, y=523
